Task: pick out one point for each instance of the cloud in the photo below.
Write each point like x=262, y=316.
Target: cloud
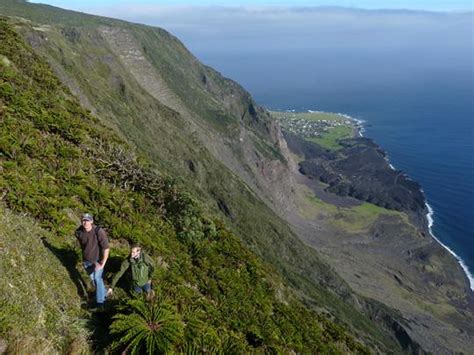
x=309, y=44
x=257, y=22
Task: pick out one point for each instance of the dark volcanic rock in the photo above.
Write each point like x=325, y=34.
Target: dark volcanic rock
x=360, y=170
x=307, y=149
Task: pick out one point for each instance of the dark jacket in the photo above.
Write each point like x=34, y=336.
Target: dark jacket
x=92, y=243
x=140, y=269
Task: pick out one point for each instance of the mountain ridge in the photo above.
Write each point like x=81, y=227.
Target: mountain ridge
x=77, y=164
x=258, y=161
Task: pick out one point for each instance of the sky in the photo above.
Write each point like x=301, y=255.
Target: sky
x=432, y=5
x=308, y=44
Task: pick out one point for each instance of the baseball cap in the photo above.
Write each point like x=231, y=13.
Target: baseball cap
x=87, y=217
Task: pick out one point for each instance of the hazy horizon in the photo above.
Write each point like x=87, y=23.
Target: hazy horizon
x=91, y=6
x=264, y=48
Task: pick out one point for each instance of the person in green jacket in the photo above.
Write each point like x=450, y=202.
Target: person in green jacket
x=140, y=267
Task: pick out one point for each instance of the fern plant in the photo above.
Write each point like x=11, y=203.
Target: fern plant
x=227, y=344
x=152, y=327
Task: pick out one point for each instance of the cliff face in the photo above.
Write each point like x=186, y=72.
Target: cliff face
x=211, y=293
x=207, y=132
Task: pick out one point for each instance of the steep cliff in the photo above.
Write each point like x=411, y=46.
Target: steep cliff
x=207, y=133
x=212, y=293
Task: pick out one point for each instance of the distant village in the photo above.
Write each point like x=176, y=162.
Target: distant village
x=311, y=128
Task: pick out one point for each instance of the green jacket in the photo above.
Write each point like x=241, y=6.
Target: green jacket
x=140, y=269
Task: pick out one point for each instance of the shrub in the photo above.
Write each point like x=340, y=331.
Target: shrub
x=153, y=326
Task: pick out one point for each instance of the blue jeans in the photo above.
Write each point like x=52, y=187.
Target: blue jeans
x=96, y=277
x=145, y=288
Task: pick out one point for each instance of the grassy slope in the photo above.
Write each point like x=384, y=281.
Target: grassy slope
x=77, y=164
x=142, y=120
x=40, y=313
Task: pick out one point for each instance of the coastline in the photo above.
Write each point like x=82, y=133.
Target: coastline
x=429, y=216
x=470, y=276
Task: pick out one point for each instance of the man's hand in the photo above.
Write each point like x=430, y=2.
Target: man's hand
x=98, y=266
x=110, y=292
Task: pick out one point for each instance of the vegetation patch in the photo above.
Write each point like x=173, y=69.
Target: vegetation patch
x=40, y=305
x=323, y=128
x=354, y=220
x=330, y=139
x=58, y=161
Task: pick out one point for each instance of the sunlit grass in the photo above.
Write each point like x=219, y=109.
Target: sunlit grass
x=40, y=309
x=328, y=139
x=354, y=220
x=331, y=138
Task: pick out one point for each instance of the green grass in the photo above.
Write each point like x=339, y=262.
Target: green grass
x=353, y=220
x=40, y=306
x=330, y=139
x=57, y=161
x=359, y=219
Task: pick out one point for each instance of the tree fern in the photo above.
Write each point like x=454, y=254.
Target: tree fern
x=151, y=327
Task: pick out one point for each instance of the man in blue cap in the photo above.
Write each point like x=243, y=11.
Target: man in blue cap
x=95, y=252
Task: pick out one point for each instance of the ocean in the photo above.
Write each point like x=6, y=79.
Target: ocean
x=408, y=74
x=427, y=131
x=423, y=119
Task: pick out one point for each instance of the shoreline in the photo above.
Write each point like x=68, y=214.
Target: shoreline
x=429, y=216
x=460, y=261
x=359, y=123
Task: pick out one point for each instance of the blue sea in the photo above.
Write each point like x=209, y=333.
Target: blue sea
x=422, y=116
x=408, y=75
x=426, y=126
x=427, y=129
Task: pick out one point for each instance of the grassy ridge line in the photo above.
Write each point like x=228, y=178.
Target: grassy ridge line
x=76, y=164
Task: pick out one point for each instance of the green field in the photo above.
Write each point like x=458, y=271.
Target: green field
x=328, y=139
x=310, y=116
x=331, y=139
x=354, y=220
